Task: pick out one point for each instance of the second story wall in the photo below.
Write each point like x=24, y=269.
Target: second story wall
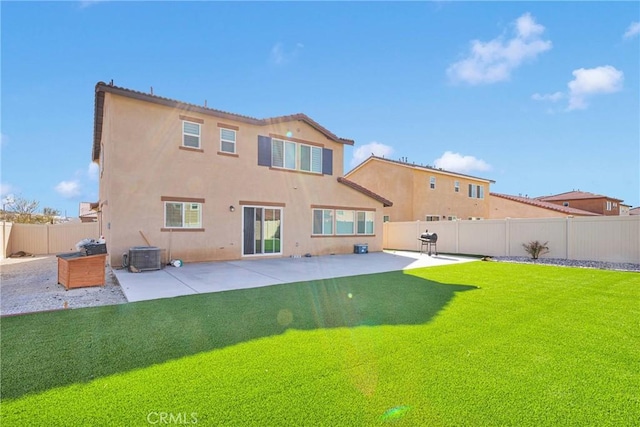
x=421, y=193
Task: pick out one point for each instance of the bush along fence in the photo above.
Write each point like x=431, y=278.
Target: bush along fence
x=605, y=238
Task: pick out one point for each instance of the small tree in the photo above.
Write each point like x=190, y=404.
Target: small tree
x=23, y=210
x=535, y=248
x=49, y=214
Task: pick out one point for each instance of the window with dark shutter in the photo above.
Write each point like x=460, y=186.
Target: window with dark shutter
x=264, y=151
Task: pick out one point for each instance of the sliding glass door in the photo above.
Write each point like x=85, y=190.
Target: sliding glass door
x=262, y=230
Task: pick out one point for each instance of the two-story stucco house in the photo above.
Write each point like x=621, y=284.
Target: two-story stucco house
x=423, y=193
x=204, y=184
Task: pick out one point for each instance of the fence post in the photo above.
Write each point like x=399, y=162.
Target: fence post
x=457, y=234
x=569, y=225
x=507, y=236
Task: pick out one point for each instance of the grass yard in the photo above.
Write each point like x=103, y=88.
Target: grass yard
x=472, y=344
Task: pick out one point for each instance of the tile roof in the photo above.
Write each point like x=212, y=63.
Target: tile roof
x=365, y=191
x=575, y=195
x=545, y=205
x=417, y=166
x=102, y=88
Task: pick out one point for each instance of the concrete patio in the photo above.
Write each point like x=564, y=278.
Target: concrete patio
x=197, y=278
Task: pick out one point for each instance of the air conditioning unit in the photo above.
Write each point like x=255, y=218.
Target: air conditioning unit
x=144, y=258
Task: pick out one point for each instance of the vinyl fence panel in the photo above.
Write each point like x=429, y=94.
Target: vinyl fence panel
x=603, y=238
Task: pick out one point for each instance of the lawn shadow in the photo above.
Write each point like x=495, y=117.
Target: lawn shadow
x=47, y=350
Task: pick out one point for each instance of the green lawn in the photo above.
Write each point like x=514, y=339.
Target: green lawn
x=473, y=344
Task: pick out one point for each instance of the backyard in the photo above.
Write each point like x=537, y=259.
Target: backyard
x=481, y=343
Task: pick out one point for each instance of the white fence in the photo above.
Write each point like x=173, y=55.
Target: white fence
x=43, y=239
x=602, y=238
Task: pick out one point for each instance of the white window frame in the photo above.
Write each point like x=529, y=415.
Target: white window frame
x=314, y=153
x=431, y=218
x=367, y=215
x=185, y=133
x=456, y=186
x=432, y=182
x=386, y=218
x=476, y=191
x=609, y=205
x=342, y=213
x=195, y=206
x=369, y=218
x=287, y=148
x=323, y=231
x=228, y=141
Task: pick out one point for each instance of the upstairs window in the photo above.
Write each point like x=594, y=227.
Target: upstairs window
x=190, y=134
x=280, y=153
x=476, y=191
x=456, y=186
x=310, y=158
x=227, y=140
x=432, y=218
x=432, y=183
x=283, y=154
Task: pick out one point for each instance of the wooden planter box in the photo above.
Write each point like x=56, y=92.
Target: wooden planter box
x=75, y=271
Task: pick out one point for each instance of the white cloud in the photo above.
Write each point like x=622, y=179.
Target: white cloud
x=280, y=56
x=87, y=3
x=363, y=152
x=68, y=189
x=92, y=171
x=553, y=97
x=593, y=81
x=6, y=189
x=493, y=61
x=455, y=162
x=632, y=31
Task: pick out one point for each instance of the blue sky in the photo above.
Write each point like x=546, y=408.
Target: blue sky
x=542, y=97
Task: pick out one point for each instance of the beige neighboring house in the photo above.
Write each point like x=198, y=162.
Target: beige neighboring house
x=625, y=209
x=204, y=184
x=596, y=203
x=423, y=193
x=508, y=206
x=634, y=211
x=88, y=212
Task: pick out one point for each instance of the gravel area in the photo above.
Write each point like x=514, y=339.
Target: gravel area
x=620, y=266
x=30, y=284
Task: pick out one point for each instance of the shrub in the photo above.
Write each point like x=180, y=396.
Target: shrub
x=535, y=248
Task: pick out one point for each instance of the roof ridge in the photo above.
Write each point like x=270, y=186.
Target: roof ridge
x=545, y=205
x=385, y=202
x=420, y=166
x=104, y=87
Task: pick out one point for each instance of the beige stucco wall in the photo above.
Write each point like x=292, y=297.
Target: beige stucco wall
x=504, y=208
x=143, y=163
x=409, y=189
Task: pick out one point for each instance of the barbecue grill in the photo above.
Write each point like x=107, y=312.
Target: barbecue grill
x=428, y=242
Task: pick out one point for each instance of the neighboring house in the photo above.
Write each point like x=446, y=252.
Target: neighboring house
x=624, y=209
x=634, y=211
x=507, y=206
x=204, y=184
x=596, y=203
x=88, y=212
x=423, y=193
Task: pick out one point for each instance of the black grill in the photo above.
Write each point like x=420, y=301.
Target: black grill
x=428, y=242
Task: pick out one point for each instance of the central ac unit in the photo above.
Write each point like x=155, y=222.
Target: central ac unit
x=143, y=258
